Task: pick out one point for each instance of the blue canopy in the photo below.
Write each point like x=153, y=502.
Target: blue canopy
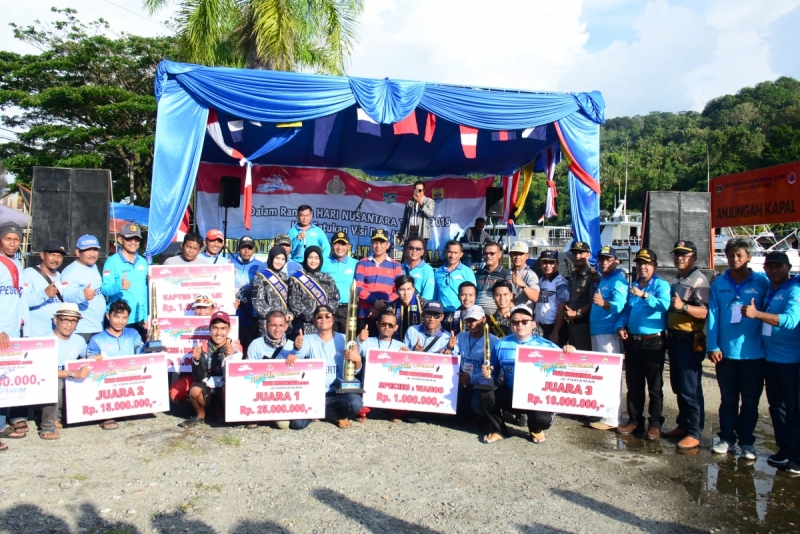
x=255, y=107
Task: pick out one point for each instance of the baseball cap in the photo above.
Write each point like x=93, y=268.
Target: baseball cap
x=519, y=247
x=68, y=309
x=380, y=234
x=521, y=308
x=214, y=234
x=433, y=306
x=549, y=255
x=684, y=247
x=777, y=257
x=340, y=237
x=54, y=245
x=580, y=246
x=608, y=251
x=131, y=230
x=202, y=301
x=323, y=307
x=647, y=255
x=474, y=312
x=247, y=241
x=220, y=316
x=283, y=239
x=85, y=242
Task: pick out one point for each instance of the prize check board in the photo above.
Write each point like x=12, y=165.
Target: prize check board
x=29, y=372
x=117, y=387
x=180, y=334
x=579, y=383
x=270, y=390
x=178, y=285
x=416, y=381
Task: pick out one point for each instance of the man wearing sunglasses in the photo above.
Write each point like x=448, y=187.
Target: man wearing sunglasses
x=125, y=277
x=489, y=274
x=504, y=355
x=417, y=268
x=417, y=217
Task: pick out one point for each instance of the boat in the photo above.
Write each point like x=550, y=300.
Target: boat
x=765, y=240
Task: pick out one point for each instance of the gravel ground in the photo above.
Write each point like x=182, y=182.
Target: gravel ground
x=150, y=476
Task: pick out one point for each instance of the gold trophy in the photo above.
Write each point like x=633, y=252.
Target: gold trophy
x=348, y=383
x=154, y=344
x=486, y=384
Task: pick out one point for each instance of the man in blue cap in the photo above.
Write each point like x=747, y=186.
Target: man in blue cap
x=84, y=285
x=125, y=277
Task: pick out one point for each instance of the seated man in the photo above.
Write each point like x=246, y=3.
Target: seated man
x=208, y=367
x=203, y=306
x=476, y=235
x=429, y=336
x=471, y=345
x=330, y=346
x=504, y=356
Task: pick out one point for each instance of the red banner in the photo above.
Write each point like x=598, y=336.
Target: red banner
x=762, y=196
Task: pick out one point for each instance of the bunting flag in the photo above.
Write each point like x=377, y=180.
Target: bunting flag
x=248, y=199
x=183, y=227
x=430, y=127
x=538, y=133
x=504, y=135
x=296, y=124
x=366, y=124
x=527, y=174
x=550, y=171
x=510, y=189
x=323, y=127
x=215, y=132
x=510, y=228
x=237, y=130
x=407, y=125
x=469, y=141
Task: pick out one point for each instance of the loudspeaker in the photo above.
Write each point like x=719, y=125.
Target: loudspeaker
x=68, y=203
x=229, y=188
x=494, y=201
x=674, y=215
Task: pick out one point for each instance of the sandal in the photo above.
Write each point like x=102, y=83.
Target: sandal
x=192, y=421
x=10, y=433
x=3, y=447
x=361, y=419
x=492, y=437
x=344, y=423
x=50, y=435
x=538, y=437
x=109, y=425
x=395, y=420
x=21, y=427
x=251, y=426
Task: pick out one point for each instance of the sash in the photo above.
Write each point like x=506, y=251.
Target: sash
x=277, y=284
x=495, y=327
x=456, y=323
x=414, y=314
x=312, y=287
x=13, y=271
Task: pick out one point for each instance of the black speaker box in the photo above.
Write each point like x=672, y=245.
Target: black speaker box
x=674, y=215
x=229, y=188
x=68, y=203
x=494, y=201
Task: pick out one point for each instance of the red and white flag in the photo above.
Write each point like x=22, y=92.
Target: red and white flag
x=550, y=200
x=469, y=141
x=215, y=132
x=183, y=227
x=510, y=189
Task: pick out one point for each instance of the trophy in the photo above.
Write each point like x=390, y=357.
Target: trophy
x=486, y=384
x=154, y=344
x=348, y=383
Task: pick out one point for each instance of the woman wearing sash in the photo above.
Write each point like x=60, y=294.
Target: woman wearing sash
x=309, y=288
x=407, y=307
x=270, y=290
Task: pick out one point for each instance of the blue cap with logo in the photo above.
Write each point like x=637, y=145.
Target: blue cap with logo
x=85, y=242
x=609, y=252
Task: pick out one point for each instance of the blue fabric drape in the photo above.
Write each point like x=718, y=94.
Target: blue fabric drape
x=387, y=101
x=125, y=212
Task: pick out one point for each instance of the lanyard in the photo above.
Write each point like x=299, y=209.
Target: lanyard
x=772, y=292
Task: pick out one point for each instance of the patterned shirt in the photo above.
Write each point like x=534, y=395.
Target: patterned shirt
x=375, y=282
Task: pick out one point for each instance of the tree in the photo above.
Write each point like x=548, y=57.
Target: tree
x=85, y=101
x=287, y=35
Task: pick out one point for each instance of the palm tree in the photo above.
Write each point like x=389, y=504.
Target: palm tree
x=288, y=35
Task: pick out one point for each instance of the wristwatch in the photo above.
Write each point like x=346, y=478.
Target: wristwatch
x=71, y=374
x=685, y=307
x=645, y=296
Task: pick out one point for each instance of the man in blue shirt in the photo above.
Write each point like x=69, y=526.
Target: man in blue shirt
x=116, y=340
x=125, y=278
x=471, y=346
x=735, y=346
x=607, y=305
x=504, y=357
x=449, y=277
x=641, y=327
x=342, y=268
x=417, y=268
x=44, y=289
x=246, y=268
x=84, y=286
x=215, y=242
x=71, y=346
x=305, y=233
x=781, y=336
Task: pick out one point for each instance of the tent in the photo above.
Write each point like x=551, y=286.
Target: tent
x=254, y=117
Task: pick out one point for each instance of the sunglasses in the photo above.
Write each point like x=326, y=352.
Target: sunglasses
x=134, y=238
x=415, y=248
x=491, y=253
x=419, y=190
x=388, y=325
x=324, y=316
x=522, y=322
x=431, y=314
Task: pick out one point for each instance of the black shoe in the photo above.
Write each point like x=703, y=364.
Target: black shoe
x=192, y=421
x=522, y=420
x=793, y=468
x=778, y=459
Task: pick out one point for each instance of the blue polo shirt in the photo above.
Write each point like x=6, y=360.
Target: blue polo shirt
x=423, y=279
x=782, y=342
x=78, y=277
x=740, y=340
x=446, y=285
x=343, y=273
x=129, y=342
x=136, y=296
x=314, y=236
x=70, y=349
x=646, y=316
x=504, y=356
x=614, y=290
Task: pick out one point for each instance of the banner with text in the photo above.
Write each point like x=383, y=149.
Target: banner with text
x=762, y=196
x=177, y=286
x=416, y=381
x=117, y=387
x=335, y=196
x=271, y=390
x=179, y=335
x=579, y=383
x=29, y=372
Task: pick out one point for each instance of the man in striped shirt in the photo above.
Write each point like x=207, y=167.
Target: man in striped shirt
x=375, y=278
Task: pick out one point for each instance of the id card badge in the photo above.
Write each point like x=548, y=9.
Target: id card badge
x=736, y=313
x=766, y=329
x=467, y=367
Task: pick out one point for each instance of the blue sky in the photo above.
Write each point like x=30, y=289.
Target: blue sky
x=643, y=55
